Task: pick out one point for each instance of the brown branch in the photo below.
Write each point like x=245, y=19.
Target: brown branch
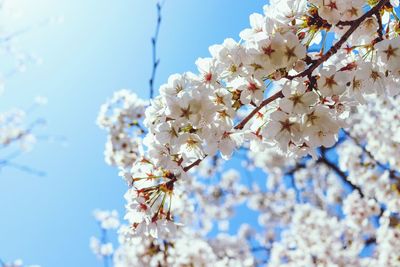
x=323, y=159
x=196, y=163
x=345, y=23
x=380, y=28
x=257, y=109
x=353, y=26
x=242, y=123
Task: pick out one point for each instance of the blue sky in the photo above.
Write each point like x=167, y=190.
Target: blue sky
x=102, y=46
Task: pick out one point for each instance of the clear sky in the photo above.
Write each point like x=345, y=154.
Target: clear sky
x=102, y=46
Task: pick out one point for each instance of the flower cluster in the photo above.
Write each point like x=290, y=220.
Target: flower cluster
x=149, y=201
x=120, y=116
x=186, y=249
x=315, y=239
x=195, y=114
x=276, y=101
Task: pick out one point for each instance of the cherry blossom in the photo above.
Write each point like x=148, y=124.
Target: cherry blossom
x=306, y=106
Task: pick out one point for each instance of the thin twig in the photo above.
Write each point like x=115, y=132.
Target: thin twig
x=154, y=39
x=23, y=168
x=257, y=109
x=323, y=159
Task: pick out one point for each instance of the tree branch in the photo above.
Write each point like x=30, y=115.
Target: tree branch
x=380, y=29
x=194, y=164
x=353, y=26
x=257, y=109
x=308, y=72
x=323, y=159
x=20, y=167
x=154, y=39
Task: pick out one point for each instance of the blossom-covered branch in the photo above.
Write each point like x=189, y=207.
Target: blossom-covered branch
x=302, y=72
x=354, y=25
